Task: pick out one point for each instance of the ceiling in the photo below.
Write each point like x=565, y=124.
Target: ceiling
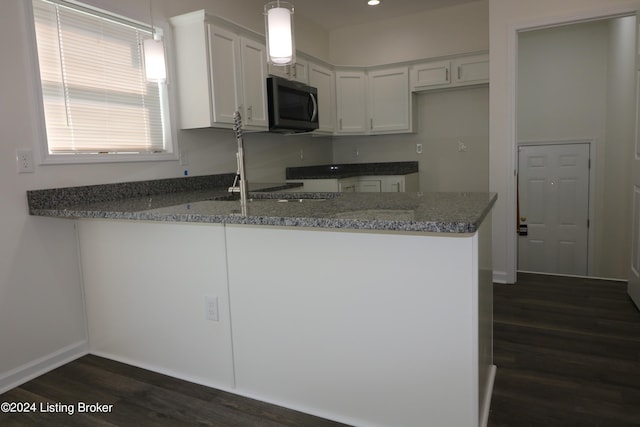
x=332, y=14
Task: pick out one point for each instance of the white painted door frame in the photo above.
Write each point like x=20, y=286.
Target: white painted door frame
x=512, y=67
x=633, y=287
x=592, y=186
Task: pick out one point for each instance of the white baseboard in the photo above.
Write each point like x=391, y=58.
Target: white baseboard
x=500, y=277
x=486, y=405
x=31, y=370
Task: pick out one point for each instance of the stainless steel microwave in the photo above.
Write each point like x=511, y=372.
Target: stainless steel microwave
x=293, y=106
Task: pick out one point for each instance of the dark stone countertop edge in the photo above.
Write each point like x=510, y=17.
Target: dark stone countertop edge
x=400, y=226
x=152, y=200
x=349, y=170
x=441, y=227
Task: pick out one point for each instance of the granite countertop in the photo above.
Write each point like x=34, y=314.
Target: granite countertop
x=177, y=201
x=348, y=170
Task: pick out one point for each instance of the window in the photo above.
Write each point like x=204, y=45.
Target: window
x=97, y=102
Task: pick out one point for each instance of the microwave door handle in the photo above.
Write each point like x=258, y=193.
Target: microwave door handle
x=315, y=107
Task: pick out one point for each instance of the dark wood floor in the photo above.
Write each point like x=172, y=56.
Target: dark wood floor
x=567, y=351
x=142, y=398
x=568, y=354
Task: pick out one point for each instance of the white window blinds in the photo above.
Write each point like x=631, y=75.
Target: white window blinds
x=96, y=98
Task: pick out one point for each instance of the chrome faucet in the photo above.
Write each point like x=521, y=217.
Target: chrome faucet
x=240, y=182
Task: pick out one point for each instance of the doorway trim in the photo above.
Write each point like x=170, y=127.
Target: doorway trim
x=514, y=28
x=592, y=186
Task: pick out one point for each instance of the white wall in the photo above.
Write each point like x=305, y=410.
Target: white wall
x=446, y=31
x=616, y=239
x=576, y=82
x=444, y=118
x=41, y=311
x=506, y=17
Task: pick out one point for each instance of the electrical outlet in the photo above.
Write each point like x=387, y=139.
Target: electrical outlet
x=24, y=159
x=211, y=308
x=419, y=148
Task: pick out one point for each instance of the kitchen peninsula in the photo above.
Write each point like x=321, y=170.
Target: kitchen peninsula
x=368, y=309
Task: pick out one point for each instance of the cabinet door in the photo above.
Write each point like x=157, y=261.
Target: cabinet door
x=278, y=71
x=300, y=71
x=351, y=102
x=471, y=70
x=393, y=184
x=322, y=79
x=225, y=66
x=369, y=186
x=348, y=185
x=389, y=105
x=254, y=78
x=425, y=76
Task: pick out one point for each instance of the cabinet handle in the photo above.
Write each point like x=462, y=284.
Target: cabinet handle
x=371, y=124
x=459, y=72
x=446, y=74
x=340, y=124
x=249, y=113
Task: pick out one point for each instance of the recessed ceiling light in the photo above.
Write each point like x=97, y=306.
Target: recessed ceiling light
x=373, y=2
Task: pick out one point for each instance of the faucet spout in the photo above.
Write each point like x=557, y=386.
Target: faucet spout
x=240, y=184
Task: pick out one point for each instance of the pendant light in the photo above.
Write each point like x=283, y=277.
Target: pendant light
x=281, y=48
x=155, y=66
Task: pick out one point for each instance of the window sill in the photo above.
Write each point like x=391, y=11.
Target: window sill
x=66, y=159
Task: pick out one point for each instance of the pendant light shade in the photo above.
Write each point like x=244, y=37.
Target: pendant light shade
x=279, y=30
x=154, y=63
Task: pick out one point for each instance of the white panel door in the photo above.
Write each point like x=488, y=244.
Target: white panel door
x=633, y=288
x=553, y=185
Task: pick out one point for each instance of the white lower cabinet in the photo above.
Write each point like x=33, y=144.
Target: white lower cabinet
x=348, y=185
x=370, y=186
x=362, y=328
x=353, y=313
x=145, y=287
x=363, y=184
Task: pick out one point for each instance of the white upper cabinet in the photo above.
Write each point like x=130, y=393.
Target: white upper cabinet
x=298, y=71
x=351, y=102
x=225, y=77
x=460, y=71
x=322, y=78
x=254, y=77
x=220, y=69
x=389, y=100
x=376, y=102
x=471, y=69
x=429, y=74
